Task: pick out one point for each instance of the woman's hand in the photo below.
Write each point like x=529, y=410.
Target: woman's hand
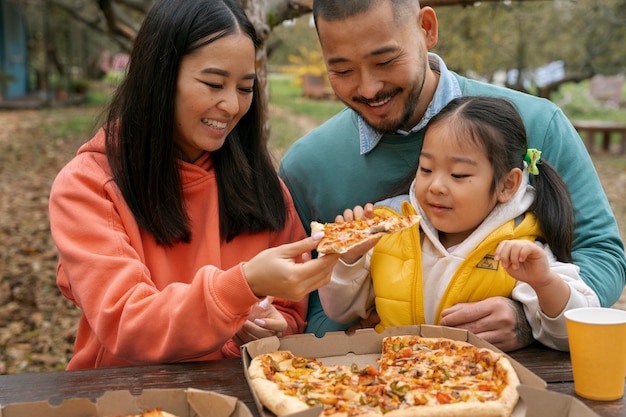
x=276, y=272
x=264, y=321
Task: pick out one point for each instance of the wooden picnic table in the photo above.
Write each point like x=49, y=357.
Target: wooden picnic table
x=227, y=377
x=589, y=128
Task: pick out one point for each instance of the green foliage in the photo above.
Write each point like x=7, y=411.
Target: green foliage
x=81, y=125
x=576, y=103
x=95, y=97
x=5, y=80
x=306, y=62
x=494, y=36
x=287, y=38
x=113, y=77
x=284, y=93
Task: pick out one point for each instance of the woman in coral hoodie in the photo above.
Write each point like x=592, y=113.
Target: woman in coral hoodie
x=173, y=230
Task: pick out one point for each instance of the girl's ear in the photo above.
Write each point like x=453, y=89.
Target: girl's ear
x=508, y=186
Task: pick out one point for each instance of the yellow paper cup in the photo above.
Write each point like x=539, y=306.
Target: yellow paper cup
x=597, y=343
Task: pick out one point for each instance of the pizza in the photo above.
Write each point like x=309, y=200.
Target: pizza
x=156, y=412
x=340, y=237
x=415, y=376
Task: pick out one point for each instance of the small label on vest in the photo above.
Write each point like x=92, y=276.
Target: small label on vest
x=488, y=263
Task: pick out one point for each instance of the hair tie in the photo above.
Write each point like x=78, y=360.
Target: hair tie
x=532, y=157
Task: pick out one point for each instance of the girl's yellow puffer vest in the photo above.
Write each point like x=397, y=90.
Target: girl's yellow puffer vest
x=396, y=269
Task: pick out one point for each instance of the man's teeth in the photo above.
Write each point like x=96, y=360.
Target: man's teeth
x=380, y=103
x=214, y=123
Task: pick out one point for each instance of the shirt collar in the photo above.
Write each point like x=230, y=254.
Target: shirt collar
x=447, y=89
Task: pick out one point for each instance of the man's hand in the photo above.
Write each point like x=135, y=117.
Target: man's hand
x=498, y=320
x=370, y=321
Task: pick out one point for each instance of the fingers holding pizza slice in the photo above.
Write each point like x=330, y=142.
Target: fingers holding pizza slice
x=340, y=237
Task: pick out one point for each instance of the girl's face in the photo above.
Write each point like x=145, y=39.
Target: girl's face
x=213, y=92
x=453, y=183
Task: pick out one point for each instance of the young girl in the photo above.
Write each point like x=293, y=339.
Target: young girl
x=173, y=230
x=497, y=221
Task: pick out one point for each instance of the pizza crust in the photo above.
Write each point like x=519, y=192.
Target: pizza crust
x=156, y=412
x=276, y=400
x=486, y=409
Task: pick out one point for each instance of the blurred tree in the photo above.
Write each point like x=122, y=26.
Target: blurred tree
x=488, y=38
x=476, y=38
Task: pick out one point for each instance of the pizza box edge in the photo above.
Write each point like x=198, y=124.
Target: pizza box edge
x=188, y=402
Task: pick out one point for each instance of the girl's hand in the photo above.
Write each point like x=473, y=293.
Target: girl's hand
x=358, y=212
x=527, y=262
x=366, y=212
x=524, y=261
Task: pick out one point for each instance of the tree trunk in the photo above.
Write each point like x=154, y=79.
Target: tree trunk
x=256, y=11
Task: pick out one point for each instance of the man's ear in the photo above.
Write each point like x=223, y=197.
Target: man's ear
x=508, y=186
x=428, y=23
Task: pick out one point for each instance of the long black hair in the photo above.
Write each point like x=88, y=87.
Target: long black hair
x=139, y=127
x=496, y=125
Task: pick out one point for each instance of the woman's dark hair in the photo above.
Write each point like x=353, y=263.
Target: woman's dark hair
x=139, y=127
x=496, y=125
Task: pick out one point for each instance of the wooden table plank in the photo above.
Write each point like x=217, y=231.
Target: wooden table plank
x=551, y=365
x=227, y=377
x=224, y=376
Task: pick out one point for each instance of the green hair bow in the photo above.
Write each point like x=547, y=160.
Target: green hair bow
x=532, y=157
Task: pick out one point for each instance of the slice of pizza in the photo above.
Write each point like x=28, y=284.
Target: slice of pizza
x=343, y=236
x=433, y=374
x=155, y=412
x=286, y=383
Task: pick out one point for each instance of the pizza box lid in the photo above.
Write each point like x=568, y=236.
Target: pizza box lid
x=538, y=402
x=181, y=402
x=364, y=347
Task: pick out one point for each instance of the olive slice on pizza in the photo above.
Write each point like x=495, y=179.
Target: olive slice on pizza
x=340, y=237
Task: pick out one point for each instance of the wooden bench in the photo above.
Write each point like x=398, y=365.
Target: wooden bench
x=315, y=87
x=589, y=128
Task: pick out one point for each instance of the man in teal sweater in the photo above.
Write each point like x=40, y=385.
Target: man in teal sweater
x=376, y=54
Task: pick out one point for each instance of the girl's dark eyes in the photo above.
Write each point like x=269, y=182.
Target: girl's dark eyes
x=457, y=176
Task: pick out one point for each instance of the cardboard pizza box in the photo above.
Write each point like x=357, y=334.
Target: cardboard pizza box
x=364, y=347
x=181, y=402
x=538, y=402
